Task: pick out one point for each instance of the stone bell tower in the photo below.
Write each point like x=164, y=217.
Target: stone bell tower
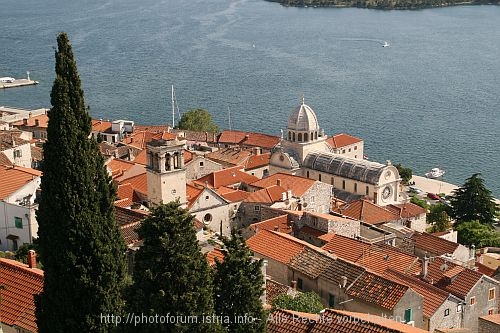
x=165, y=171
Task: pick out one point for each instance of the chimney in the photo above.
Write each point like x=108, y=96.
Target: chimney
x=31, y=259
x=425, y=267
x=278, y=182
x=294, y=285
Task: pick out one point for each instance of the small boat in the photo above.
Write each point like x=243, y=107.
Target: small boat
x=435, y=173
x=385, y=44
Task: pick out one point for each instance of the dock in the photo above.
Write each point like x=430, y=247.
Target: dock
x=18, y=83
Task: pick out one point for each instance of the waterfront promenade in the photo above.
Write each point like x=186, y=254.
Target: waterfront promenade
x=17, y=83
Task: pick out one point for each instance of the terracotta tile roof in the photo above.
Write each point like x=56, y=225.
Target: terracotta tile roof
x=377, y=258
x=230, y=157
x=257, y=161
x=267, y=195
x=43, y=121
x=334, y=321
x=275, y=245
x=406, y=210
x=124, y=216
x=21, y=284
x=126, y=192
x=378, y=290
x=249, y=139
x=196, y=136
x=123, y=203
x=141, y=158
x=13, y=178
x=432, y=244
x=368, y=212
x=485, y=269
x=36, y=153
x=494, y=318
x=9, y=139
x=192, y=193
x=139, y=139
x=279, y=223
x=457, y=281
x=226, y=177
x=233, y=195
x=433, y=296
x=342, y=140
x=274, y=289
x=107, y=149
x=341, y=268
x=118, y=166
x=298, y=185
x=215, y=254
x=311, y=231
x=311, y=262
x=129, y=233
x=4, y=160
x=138, y=182
x=100, y=126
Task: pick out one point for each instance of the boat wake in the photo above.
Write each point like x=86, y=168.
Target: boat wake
x=382, y=42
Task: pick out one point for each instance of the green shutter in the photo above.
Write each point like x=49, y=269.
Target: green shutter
x=408, y=315
x=331, y=300
x=19, y=222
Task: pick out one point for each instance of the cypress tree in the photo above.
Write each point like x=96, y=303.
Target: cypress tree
x=79, y=242
x=238, y=286
x=171, y=276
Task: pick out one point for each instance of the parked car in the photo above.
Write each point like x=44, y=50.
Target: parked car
x=413, y=189
x=433, y=196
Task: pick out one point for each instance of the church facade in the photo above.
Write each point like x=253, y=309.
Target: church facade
x=304, y=151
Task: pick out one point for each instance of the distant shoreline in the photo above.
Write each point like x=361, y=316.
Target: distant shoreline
x=380, y=4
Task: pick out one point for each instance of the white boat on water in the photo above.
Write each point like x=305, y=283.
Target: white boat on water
x=7, y=79
x=385, y=44
x=435, y=173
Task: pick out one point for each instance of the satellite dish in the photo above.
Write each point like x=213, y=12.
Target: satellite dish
x=443, y=267
x=304, y=204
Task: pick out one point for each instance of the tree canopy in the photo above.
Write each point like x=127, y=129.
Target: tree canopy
x=198, y=120
x=309, y=302
x=80, y=245
x=404, y=173
x=238, y=286
x=473, y=201
x=171, y=275
x=478, y=234
x=438, y=217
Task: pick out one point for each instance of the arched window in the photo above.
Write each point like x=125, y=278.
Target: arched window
x=315, y=135
x=289, y=135
x=306, y=137
x=307, y=174
x=299, y=137
x=293, y=137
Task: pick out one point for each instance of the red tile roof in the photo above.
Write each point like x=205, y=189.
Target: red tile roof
x=139, y=183
x=4, y=160
x=100, y=126
x=249, y=139
x=342, y=140
x=267, y=195
x=192, y=193
x=433, y=296
x=152, y=128
x=141, y=158
x=406, y=210
x=485, y=269
x=279, y=223
x=368, y=212
x=432, y=244
x=14, y=178
x=378, y=290
x=298, y=185
x=275, y=245
x=233, y=195
x=215, y=254
x=230, y=157
x=21, y=284
x=457, y=281
x=139, y=139
x=226, y=177
x=43, y=121
x=118, y=166
x=494, y=318
x=334, y=321
x=378, y=258
x=258, y=161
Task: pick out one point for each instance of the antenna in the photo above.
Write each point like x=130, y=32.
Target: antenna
x=229, y=117
x=173, y=107
x=28, y=72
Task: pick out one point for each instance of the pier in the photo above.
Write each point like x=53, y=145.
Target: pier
x=18, y=83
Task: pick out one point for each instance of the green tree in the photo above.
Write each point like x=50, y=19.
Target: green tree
x=80, y=245
x=309, y=302
x=22, y=252
x=477, y=233
x=473, y=201
x=171, y=275
x=404, y=173
x=419, y=202
x=238, y=286
x=438, y=217
x=198, y=120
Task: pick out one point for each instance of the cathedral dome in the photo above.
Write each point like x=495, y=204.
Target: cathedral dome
x=303, y=119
